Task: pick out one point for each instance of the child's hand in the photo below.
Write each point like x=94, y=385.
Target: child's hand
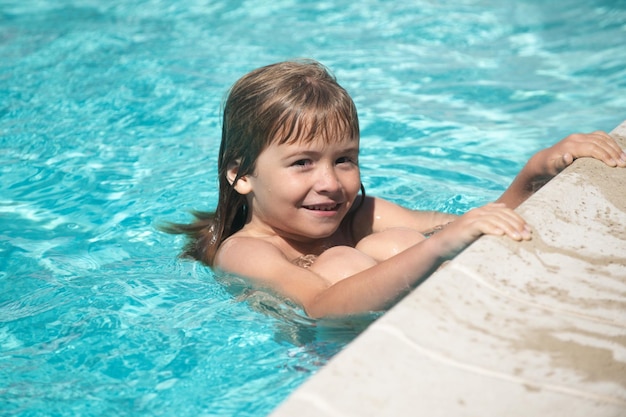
x=599, y=145
x=492, y=219
x=546, y=164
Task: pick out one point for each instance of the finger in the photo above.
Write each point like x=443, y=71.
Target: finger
x=498, y=228
x=507, y=222
x=516, y=221
x=559, y=164
x=604, y=154
x=514, y=230
x=567, y=159
x=607, y=142
x=606, y=149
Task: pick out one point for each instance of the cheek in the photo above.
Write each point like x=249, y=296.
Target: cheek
x=352, y=183
x=287, y=188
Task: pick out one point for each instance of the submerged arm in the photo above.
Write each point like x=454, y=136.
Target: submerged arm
x=383, y=284
x=371, y=289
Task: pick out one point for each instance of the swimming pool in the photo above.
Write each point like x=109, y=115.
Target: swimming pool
x=109, y=124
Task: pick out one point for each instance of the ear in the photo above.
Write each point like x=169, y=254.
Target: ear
x=242, y=186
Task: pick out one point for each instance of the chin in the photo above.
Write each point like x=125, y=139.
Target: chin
x=321, y=234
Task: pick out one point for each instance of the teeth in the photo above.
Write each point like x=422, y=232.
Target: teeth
x=322, y=208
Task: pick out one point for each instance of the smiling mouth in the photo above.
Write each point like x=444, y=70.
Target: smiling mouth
x=333, y=207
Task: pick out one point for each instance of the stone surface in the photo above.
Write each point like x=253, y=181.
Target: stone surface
x=505, y=329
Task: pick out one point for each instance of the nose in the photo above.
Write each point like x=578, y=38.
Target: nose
x=327, y=180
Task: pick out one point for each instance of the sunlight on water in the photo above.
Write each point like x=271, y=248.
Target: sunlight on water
x=109, y=125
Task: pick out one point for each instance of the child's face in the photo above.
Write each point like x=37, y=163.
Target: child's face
x=302, y=191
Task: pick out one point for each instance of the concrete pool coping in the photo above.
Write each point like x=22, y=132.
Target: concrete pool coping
x=505, y=329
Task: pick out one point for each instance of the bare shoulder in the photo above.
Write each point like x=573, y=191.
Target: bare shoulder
x=377, y=214
x=238, y=254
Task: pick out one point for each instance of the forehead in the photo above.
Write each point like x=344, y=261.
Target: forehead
x=311, y=125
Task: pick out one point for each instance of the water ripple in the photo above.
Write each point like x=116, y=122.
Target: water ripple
x=110, y=125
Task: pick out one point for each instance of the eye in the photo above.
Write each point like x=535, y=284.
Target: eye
x=303, y=163
x=347, y=160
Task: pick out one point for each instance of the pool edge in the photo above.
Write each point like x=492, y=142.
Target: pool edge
x=510, y=329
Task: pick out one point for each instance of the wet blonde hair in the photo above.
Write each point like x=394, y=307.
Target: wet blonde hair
x=285, y=102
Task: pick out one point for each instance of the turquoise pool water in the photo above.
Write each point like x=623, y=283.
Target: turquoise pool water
x=109, y=124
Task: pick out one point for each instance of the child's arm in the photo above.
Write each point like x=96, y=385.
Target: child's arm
x=374, y=288
x=547, y=163
x=376, y=215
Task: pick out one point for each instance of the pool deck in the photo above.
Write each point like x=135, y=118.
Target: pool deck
x=505, y=329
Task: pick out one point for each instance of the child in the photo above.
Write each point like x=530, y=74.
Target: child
x=290, y=217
